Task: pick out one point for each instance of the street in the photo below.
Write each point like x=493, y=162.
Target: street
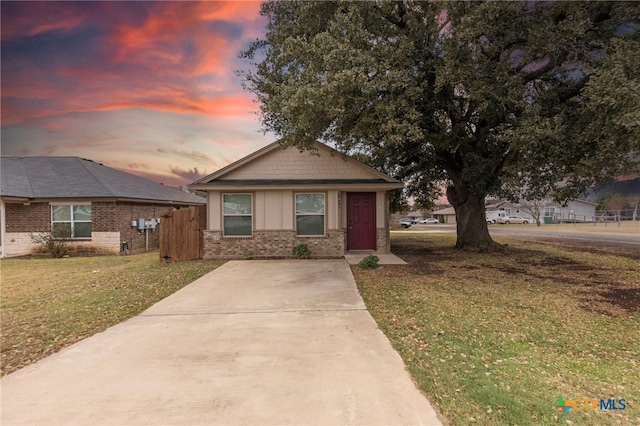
x=627, y=234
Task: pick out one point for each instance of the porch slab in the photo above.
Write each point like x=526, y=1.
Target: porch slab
x=384, y=259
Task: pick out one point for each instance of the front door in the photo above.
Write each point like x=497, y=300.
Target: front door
x=361, y=221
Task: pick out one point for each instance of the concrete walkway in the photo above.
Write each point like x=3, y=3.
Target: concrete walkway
x=253, y=342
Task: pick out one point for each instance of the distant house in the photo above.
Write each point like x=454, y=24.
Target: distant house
x=95, y=208
x=446, y=215
x=275, y=199
x=551, y=212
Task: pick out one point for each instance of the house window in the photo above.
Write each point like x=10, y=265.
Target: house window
x=237, y=212
x=549, y=211
x=310, y=214
x=71, y=221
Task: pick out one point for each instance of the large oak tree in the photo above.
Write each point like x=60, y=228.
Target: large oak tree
x=516, y=99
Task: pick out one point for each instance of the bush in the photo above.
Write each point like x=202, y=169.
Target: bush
x=301, y=252
x=54, y=246
x=369, y=262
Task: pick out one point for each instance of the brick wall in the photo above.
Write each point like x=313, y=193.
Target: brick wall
x=383, y=243
x=103, y=216
x=110, y=224
x=35, y=217
x=271, y=244
x=128, y=212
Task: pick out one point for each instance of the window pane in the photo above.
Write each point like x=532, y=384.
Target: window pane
x=61, y=213
x=82, y=213
x=310, y=225
x=61, y=230
x=309, y=203
x=237, y=225
x=237, y=204
x=82, y=230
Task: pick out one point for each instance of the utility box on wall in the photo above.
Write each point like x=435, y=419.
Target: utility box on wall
x=140, y=224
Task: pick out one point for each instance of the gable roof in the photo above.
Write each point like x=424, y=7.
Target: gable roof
x=275, y=167
x=28, y=178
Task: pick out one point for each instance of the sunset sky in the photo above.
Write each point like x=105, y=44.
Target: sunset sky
x=146, y=87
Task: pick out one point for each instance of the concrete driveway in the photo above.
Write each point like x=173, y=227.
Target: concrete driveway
x=253, y=342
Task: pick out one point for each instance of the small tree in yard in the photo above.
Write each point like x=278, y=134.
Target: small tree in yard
x=535, y=207
x=55, y=246
x=477, y=97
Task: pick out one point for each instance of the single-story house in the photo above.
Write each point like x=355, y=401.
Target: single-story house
x=551, y=211
x=446, y=215
x=96, y=209
x=275, y=199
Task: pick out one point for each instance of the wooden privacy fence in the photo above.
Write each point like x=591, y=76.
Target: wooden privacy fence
x=181, y=234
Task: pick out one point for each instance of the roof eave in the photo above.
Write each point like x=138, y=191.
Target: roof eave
x=306, y=187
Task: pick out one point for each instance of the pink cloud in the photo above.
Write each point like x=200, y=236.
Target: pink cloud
x=41, y=17
x=166, y=62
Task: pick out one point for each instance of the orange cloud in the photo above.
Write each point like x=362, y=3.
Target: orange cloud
x=175, y=57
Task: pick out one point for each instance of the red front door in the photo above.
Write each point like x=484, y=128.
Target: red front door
x=361, y=221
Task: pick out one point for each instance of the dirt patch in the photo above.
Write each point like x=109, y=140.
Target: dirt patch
x=627, y=299
x=595, y=247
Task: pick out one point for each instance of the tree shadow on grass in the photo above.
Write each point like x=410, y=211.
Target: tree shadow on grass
x=600, y=289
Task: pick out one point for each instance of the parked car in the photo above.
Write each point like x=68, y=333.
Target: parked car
x=405, y=222
x=493, y=216
x=428, y=221
x=512, y=219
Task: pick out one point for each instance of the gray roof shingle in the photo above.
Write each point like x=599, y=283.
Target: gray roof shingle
x=74, y=177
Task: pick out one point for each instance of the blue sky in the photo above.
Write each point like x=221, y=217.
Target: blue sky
x=145, y=87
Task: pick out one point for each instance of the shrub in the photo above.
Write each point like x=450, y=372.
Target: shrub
x=369, y=262
x=301, y=252
x=54, y=246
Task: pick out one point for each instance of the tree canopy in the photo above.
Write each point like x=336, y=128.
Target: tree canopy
x=514, y=99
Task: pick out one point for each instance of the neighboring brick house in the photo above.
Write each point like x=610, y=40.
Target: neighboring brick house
x=93, y=207
x=275, y=199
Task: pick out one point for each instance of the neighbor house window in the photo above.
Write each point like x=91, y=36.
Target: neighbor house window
x=310, y=214
x=237, y=212
x=71, y=221
x=549, y=211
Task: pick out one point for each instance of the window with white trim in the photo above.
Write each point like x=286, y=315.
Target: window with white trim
x=237, y=214
x=549, y=211
x=310, y=210
x=71, y=221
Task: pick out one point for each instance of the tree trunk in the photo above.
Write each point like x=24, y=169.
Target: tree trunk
x=471, y=219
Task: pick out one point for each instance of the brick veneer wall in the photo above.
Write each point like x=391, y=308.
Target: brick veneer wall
x=383, y=243
x=103, y=216
x=128, y=212
x=271, y=244
x=110, y=225
x=35, y=217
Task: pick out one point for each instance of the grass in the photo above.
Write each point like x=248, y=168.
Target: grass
x=48, y=304
x=496, y=340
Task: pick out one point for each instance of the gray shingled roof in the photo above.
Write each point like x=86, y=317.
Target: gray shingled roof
x=74, y=177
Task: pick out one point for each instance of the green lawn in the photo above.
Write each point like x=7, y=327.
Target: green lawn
x=48, y=304
x=497, y=339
